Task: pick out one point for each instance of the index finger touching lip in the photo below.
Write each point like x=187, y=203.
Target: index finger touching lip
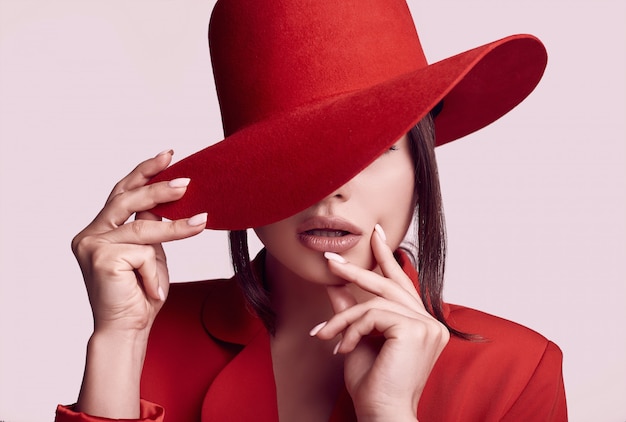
x=388, y=264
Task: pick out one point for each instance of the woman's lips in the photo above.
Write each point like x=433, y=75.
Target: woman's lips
x=328, y=234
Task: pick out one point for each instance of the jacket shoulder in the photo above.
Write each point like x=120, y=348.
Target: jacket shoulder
x=483, y=378
x=493, y=329
x=499, y=346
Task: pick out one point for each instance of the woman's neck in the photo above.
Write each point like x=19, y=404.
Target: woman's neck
x=308, y=376
x=299, y=304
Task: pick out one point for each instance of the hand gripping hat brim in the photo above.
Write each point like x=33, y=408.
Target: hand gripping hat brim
x=312, y=92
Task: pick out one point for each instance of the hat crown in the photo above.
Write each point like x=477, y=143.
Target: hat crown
x=271, y=57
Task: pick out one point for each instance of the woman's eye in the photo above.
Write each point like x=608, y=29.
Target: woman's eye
x=390, y=149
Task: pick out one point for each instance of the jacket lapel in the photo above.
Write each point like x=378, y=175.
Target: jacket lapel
x=244, y=390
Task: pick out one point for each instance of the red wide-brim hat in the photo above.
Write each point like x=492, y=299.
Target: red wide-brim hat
x=311, y=92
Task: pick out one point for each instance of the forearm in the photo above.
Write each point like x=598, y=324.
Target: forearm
x=112, y=376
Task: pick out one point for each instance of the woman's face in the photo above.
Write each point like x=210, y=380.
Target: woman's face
x=344, y=221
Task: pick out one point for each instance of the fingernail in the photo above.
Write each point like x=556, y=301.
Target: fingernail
x=380, y=232
x=331, y=256
x=336, y=349
x=198, y=219
x=317, y=328
x=167, y=151
x=181, y=182
x=161, y=294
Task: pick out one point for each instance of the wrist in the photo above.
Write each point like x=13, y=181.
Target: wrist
x=393, y=416
x=112, y=374
x=388, y=413
x=126, y=338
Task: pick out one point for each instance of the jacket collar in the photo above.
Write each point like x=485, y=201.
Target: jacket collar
x=227, y=317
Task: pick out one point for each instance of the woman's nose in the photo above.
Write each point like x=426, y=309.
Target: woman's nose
x=343, y=193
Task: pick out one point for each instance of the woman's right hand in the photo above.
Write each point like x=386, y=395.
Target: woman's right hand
x=125, y=272
x=123, y=263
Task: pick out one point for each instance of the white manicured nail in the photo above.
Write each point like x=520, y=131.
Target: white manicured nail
x=317, y=328
x=181, y=182
x=161, y=294
x=166, y=151
x=198, y=219
x=331, y=256
x=336, y=349
x=380, y=232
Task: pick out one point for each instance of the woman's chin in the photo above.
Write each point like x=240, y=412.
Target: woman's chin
x=318, y=271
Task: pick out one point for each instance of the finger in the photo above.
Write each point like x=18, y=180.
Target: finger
x=158, y=247
x=114, y=262
x=120, y=208
x=147, y=215
x=417, y=331
x=371, y=282
x=142, y=173
x=342, y=320
x=147, y=232
x=388, y=264
x=144, y=262
x=383, y=321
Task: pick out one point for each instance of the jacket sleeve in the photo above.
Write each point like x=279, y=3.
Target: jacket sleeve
x=149, y=412
x=543, y=398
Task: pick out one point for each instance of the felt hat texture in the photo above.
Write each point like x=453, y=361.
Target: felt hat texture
x=312, y=91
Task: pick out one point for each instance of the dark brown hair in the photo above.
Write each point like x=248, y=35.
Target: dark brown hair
x=428, y=252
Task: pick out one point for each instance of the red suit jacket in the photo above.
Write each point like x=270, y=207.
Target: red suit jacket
x=209, y=359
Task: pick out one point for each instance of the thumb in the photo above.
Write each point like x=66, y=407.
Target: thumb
x=340, y=298
x=147, y=215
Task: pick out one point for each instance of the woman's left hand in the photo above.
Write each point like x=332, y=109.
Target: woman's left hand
x=390, y=342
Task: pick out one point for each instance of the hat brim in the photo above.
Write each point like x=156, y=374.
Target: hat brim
x=277, y=167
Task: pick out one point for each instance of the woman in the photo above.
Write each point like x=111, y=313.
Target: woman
x=330, y=321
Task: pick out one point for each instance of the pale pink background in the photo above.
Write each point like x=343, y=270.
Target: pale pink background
x=535, y=203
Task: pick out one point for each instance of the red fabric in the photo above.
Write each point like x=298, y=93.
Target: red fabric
x=208, y=359
x=149, y=412
x=304, y=85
